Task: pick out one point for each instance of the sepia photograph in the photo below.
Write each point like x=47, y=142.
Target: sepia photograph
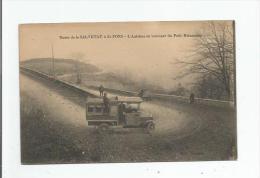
x=125, y=92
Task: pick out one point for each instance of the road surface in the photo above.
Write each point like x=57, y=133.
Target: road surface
x=183, y=132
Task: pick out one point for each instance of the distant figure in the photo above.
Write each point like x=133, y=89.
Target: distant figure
x=141, y=93
x=192, y=98
x=101, y=90
x=106, y=103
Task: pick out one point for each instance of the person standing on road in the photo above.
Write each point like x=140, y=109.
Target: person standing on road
x=141, y=93
x=101, y=90
x=192, y=98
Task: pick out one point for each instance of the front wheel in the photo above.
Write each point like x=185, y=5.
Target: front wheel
x=150, y=126
x=102, y=128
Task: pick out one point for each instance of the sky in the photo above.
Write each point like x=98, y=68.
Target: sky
x=151, y=58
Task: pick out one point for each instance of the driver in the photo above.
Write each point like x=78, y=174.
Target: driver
x=130, y=109
x=121, y=110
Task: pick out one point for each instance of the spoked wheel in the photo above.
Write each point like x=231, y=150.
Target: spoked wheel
x=102, y=128
x=150, y=127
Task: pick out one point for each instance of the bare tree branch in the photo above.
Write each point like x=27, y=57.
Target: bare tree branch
x=213, y=55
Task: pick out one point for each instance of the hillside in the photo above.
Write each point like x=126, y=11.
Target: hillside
x=61, y=66
x=91, y=75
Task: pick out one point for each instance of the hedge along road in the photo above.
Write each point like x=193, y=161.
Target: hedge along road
x=177, y=128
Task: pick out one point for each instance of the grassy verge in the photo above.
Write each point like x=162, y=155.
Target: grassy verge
x=40, y=142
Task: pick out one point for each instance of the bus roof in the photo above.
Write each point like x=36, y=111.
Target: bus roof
x=115, y=100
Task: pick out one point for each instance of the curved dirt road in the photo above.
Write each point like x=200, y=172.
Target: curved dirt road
x=178, y=135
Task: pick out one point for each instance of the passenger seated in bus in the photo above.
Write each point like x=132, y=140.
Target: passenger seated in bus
x=106, y=103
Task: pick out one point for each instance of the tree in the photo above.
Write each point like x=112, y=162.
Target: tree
x=214, y=55
x=209, y=87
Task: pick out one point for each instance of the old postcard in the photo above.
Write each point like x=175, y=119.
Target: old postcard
x=127, y=92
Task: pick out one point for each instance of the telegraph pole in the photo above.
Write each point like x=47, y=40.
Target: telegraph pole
x=53, y=72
